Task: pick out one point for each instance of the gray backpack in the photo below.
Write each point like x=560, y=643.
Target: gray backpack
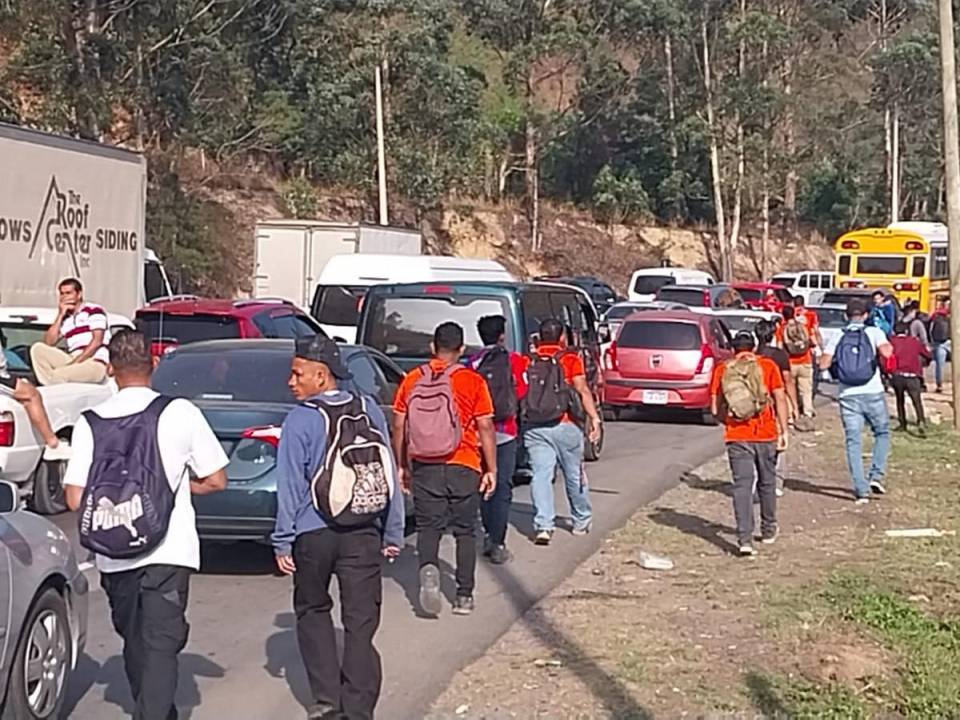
x=433, y=423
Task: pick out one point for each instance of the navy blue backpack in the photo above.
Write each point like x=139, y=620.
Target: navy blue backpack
x=127, y=502
x=855, y=359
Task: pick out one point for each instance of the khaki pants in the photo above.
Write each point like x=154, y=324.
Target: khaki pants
x=803, y=375
x=52, y=366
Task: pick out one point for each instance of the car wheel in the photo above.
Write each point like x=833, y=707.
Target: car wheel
x=592, y=450
x=48, y=494
x=38, y=679
x=709, y=418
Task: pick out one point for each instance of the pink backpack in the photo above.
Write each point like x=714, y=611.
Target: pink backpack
x=433, y=423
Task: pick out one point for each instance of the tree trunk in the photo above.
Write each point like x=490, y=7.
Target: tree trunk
x=724, y=264
x=671, y=102
x=741, y=159
x=533, y=184
x=895, y=165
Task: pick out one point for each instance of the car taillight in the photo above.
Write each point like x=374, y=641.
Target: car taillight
x=6, y=429
x=706, y=360
x=160, y=348
x=905, y=286
x=914, y=245
x=269, y=434
x=853, y=284
x=850, y=245
x=610, y=357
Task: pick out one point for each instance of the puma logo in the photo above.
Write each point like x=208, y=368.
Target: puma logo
x=108, y=516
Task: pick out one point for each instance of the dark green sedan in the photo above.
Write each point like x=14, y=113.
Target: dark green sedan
x=241, y=388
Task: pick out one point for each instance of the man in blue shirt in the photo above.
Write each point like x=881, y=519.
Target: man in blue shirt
x=861, y=404
x=311, y=548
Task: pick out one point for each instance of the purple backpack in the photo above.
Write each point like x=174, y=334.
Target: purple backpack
x=433, y=423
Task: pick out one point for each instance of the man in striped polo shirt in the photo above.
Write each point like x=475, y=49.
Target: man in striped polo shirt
x=83, y=327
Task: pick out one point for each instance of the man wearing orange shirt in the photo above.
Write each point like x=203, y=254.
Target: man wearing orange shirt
x=753, y=404
x=445, y=488
x=799, y=334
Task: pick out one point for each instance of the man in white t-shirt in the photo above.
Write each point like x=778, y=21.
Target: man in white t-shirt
x=84, y=328
x=864, y=403
x=148, y=594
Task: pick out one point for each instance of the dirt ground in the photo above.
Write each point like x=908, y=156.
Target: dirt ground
x=724, y=637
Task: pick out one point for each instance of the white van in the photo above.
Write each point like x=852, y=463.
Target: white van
x=808, y=284
x=645, y=282
x=344, y=280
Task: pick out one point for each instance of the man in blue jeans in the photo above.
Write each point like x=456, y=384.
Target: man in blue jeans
x=864, y=403
x=560, y=441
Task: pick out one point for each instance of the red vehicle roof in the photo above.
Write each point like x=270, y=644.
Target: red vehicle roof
x=756, y=285
x=189, y=305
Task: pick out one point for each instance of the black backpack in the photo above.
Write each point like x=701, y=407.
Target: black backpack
x=126, y=504
x=939, y=328
x=495, y=368
x=549, y=396
x=355, y=481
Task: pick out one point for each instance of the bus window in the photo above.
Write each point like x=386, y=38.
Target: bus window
x=881, y=265
x=843, y=265
x=919, y=266
x=941, y=266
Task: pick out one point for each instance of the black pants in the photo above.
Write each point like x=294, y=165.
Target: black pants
x=753, y=463
x=147, y=607
x=495, y=512
x=911, y=385
x=352, y=686
x=447, y=496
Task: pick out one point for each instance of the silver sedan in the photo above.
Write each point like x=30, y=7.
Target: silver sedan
x=43, y=612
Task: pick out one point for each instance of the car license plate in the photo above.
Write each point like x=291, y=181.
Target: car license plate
x=655, y=397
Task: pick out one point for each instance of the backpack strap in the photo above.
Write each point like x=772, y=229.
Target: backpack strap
x=151, y=412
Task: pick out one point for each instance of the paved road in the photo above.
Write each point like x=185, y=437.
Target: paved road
x=242, y=660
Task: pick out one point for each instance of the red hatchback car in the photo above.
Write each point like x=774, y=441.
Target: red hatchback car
x=664, y=359
x=170, y=322
x=764, y=296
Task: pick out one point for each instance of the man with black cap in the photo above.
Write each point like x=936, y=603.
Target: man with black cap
x=312, y=547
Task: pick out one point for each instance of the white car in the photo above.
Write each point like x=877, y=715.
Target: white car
x=646, y=282
x=808, y=284
x=21, y=447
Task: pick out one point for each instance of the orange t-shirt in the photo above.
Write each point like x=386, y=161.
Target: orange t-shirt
x=808, y=318
x=761, y=427
x=570, y=363
x=472, y=396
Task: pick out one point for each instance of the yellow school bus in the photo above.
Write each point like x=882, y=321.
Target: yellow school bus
x=909, y=259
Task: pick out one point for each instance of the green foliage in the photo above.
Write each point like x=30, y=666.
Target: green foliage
x=620, y=197
x=830, y=198
x=778, y=697
x=300, y=199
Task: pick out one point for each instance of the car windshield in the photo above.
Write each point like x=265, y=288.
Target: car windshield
x=619, y=312
x=404, y=326
x=339, y=304
x=254, y=375
x=659, y=335
x=738, y=323
x=881, y=265
x=650, y=284
x=831, y=317
x=685, y=296
x=750, y=294
x=188, y=328
x=784, y=281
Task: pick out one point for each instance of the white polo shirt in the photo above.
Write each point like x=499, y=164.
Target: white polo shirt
x=77, y=330
x=187, y=444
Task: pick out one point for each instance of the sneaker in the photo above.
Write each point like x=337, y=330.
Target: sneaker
x=747, y=551
x=877, y=488
x=902, y=427
x=862, y=501
x=583, y=530
x=771, y=538
x=499, y=555
x=61, y=453
x=430, y=599
x=463, y=605
x=543, y=537
x=921, y=431
x=323, y=711
x=488, y=546
x=939, y=388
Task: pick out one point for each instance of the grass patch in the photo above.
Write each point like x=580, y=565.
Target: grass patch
x=776, y=697
x=929, y=647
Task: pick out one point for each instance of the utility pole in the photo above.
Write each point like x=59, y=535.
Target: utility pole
x=381, y=153
x=951, y=147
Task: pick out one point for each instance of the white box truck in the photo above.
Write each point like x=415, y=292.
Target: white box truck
x=72, y=208
x=289, y=254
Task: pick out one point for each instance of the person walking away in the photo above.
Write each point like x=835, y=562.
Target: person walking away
x=747, y=391
x=883, y=314
x=558, y=397
x=799, y=334
x=505, y=373
x=446, y=448
x=852, y=358
x=910, y=355
x=812, y=321
x=765, y=331
x=939, y=340
x=137, y=451
x=915, y=321
x=339, y=512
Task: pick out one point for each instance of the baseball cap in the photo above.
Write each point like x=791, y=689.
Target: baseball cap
x=322, y=350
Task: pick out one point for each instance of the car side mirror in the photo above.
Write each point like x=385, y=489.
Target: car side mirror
x=9, y=498
x=603, y=332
